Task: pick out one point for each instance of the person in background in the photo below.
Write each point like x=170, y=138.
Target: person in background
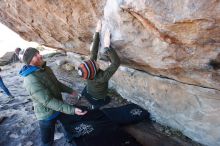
x=45, y=92
x=97, y=79
x=19, y=53
x=4, y=88
x=17, y=50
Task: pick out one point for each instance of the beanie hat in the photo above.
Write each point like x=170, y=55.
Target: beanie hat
x=87, y=69
x=29, y=54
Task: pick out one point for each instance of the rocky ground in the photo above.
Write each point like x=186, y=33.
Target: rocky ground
x=19, y=126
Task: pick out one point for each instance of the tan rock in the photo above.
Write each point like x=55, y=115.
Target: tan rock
x=68, y=66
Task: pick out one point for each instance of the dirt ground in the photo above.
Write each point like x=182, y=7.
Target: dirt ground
x=19, y=126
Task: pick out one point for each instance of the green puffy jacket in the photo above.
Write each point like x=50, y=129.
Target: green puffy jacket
x=98, y=87
x=45, y=91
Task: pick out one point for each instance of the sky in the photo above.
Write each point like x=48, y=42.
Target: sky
x=9, y=40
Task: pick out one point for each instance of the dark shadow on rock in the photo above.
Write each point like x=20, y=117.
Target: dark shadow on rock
x=2, y=119
x=215, y=63
x=147, y=134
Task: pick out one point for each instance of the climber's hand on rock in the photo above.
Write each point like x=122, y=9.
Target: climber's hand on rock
x=99, y=26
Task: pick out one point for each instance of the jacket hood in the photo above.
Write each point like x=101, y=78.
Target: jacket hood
x=28, y=69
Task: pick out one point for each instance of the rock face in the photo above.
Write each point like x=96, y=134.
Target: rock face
x=177, y=42
x=175, y=39
x=191, y=109
x=60, y=24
